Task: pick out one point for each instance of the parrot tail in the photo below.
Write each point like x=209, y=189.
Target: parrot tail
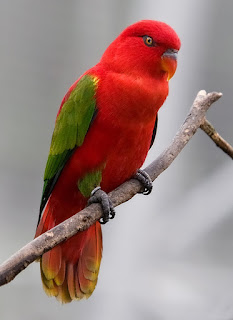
x=70, y=270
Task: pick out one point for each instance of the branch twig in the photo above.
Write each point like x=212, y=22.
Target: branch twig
x=215, y=136
x=85, y=218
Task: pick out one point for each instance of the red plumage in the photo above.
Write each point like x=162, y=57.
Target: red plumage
x=132, y=86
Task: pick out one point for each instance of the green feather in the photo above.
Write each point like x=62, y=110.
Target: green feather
x=90, y=181
x=74, y=119
x=70, y=130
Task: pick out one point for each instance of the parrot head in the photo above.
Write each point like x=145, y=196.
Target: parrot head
x=147, y=47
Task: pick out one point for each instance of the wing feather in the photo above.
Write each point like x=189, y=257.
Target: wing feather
x=72, y=123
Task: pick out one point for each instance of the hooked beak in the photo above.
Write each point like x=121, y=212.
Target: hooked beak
x=169, y=62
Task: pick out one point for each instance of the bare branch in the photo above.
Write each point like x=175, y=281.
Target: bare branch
x=85, y=218
x=215, y=136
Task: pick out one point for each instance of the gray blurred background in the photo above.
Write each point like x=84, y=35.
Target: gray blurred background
x=168, y=256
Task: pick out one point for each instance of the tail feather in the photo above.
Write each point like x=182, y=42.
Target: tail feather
x=72, y=282
x=63, y=293
x=86, y=286
x=49, y=286
x=92, y=253
x=78, y=292
x=51, y=262
x=60, y=277
x=70, y=270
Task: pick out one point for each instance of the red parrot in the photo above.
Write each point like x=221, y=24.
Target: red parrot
x=104, y=128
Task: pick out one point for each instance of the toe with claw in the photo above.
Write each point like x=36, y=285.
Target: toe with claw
x=99, y=196
x=144, y=178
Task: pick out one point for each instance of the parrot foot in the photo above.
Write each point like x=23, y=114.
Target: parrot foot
x=144, y=178
x=101, y=197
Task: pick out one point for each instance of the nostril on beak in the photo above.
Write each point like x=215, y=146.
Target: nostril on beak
x=171, y=53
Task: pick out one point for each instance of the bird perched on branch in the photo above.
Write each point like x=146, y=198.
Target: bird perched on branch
x=104, y=128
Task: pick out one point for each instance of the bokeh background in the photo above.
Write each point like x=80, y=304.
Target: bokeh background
x=167, y=256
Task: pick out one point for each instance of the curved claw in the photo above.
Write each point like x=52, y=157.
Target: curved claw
x=112, y=214
x=144, y=178
x=101, y=197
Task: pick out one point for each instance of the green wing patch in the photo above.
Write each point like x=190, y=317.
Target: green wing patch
x=90, y=181
x=71, y=127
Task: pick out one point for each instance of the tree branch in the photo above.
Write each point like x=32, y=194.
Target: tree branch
x=85, y=218
x=215, y=136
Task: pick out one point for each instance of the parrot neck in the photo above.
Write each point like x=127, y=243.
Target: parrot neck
x=134, y=71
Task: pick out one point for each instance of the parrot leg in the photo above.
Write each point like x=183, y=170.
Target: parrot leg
x=145, y=180
x=99, y=196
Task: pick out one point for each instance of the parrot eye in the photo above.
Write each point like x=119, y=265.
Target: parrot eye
x=148, y=41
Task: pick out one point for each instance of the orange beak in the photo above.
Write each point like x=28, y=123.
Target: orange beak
x=169, y=62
